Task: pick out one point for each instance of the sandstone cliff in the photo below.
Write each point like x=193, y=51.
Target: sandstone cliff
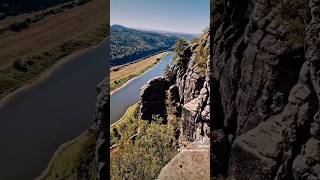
x=185, y=86
x=265, y=112
x=184, y=93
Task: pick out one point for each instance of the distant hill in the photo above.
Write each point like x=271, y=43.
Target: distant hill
x=188, y=37
x=185, y=36
x=129, y=44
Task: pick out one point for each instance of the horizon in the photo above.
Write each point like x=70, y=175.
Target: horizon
x=181, y=16
x=156, y=30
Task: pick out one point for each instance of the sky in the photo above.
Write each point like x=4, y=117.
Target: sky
x=188, y=16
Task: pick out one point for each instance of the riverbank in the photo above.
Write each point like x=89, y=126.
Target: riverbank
x=120, y=77
x=74, y=159
x=50, y=113
x=42, y=76
x=22, y=60
x=129, y=93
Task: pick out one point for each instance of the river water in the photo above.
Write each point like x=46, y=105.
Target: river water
x=125, y=97
x=38, y=120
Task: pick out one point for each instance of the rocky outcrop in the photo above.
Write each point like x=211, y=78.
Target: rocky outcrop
x=191, y=163
x=258, y=150
x=153, y=96
x=189, y=94
x=186, y=82
x=101, y=123
x=266, y=89
x=190, y=90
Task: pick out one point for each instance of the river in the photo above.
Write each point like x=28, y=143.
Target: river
x=125, y=97
x=36, y=121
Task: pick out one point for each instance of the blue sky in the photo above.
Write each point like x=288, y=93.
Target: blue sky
x=190, y=16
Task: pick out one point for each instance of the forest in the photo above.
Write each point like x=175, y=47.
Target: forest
x=130, y=44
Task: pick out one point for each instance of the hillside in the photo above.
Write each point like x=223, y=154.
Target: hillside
x=185, y=36
x=130, y=44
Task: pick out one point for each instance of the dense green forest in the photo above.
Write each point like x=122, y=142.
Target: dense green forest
x=130, y=44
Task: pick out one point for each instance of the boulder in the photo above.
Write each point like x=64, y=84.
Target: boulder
x=153, y=96
x=254, y=155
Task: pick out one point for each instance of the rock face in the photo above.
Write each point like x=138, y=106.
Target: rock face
x=153, y=97
x=266, y=89
x=187, y=85
x=101, y=123
x=189, y=93
x=190, y=90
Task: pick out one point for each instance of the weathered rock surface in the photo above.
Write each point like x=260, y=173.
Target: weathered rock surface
x=254, y=155
x=189, y=91
x=191, y=163
x=153, y=96
x=266, y=86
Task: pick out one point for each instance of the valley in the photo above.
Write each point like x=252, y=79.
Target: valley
x=128, y=44
x=123, y=74
x=154, y=114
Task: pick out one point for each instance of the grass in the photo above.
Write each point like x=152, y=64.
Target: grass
x=23, y=70
x=75, y=160
x=118, y=83
x=124, y=74
x=144, y=156
x=124, y=128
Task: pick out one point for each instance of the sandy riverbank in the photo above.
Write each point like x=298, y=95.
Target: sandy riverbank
x=132, y=71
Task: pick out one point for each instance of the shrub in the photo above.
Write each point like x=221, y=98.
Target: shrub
x=157, y=119
x=144, y=157
x=18, y=26
x=180, y=46
x=202, y=58
x=194, y=40
x=147, y=155
x=20, y=65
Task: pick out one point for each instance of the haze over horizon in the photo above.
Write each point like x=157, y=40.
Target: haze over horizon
x=156, y=30
x=184, y=16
